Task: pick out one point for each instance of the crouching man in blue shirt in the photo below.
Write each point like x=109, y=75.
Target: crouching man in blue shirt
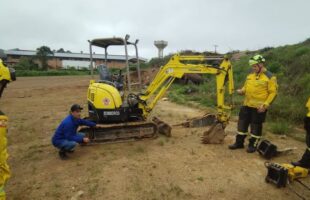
x=66, y=136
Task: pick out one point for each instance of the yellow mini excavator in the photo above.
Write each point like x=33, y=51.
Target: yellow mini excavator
x=123, y=115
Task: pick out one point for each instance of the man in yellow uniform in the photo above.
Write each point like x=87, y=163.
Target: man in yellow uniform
x=305, y=159
x=260, y=89
x=6, y=75
x=4, y=168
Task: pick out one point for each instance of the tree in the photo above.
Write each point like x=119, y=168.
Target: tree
x=61, y=50
x=26, y=63
x=42, y=53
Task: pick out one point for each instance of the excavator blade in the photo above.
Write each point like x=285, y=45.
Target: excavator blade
x=215, y=134
x=110, y=133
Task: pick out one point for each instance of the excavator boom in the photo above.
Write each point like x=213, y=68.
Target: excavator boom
x=179, y=65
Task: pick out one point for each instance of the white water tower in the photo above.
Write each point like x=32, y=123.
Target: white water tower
x=160, y=44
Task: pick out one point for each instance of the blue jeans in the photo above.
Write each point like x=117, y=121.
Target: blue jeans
x=69, y=145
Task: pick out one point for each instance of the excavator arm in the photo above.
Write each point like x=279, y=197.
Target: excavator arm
x=179, y=65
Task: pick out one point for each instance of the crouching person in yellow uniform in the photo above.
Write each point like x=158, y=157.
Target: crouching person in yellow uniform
x=4, y=168
x=260, y=89
x=305, y=159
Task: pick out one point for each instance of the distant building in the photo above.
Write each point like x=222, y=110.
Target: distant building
x=69, y=60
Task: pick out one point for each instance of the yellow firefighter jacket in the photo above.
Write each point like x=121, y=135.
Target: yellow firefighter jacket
x=260, y=89
x=308, y=106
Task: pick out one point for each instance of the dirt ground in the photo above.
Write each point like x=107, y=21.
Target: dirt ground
x=179, y=167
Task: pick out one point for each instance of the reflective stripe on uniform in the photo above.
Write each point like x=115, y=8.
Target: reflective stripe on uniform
x=256, y=136
x=242, y=133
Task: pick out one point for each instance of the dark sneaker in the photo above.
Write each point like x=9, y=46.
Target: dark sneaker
x=70, y=151
x=63, y=155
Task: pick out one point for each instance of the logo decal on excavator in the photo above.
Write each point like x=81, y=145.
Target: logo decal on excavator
x=106, y=101
x=111, y=113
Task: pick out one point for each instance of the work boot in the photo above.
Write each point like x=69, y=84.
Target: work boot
x=252, y=145
x=304, y=161
x=63, y=155
x=239, y=142
x=70, y=151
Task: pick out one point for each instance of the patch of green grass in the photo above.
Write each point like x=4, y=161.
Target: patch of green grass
x=176, y=189
x=192, y=152
x=93, y=187
x=221, y=190
x=140, y=149
x=279, y=127
x=161, y=143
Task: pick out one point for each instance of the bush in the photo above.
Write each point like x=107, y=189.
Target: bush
x=280, y=127
x=26, y=63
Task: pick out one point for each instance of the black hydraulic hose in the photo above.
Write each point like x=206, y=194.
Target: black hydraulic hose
x=294, y=191
x=306, y=186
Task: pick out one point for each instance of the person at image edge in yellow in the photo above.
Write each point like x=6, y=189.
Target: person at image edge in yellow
x=305, y=159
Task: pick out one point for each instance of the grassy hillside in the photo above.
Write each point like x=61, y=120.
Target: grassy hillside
x=291, y=65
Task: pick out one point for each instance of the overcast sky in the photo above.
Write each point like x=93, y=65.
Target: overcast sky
x=185, y=24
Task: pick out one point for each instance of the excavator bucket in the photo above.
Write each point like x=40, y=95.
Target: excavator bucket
x=215, y=134
x=162, y=127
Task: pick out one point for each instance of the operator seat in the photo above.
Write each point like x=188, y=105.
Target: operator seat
x=106, y=77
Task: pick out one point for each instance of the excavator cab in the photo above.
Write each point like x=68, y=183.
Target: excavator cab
x=105, y=43
x=107, y=97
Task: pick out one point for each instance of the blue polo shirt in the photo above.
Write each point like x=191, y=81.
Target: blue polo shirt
x=68, y=128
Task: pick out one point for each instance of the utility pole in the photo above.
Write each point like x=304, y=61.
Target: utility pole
x=215, y=46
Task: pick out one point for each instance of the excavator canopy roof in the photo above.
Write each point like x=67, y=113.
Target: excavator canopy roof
x=106, y=42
